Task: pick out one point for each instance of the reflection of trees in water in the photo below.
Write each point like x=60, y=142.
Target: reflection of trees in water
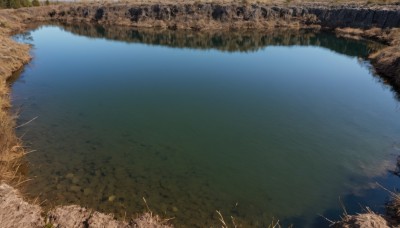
x=234, y=41
x=237, y=41
x=231, y=41
x=25, y=37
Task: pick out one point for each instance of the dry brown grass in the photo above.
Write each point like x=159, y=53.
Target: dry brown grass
x=386, y=60
x=232, y=222
x=393, y=207
x=12, y=57
x=368, y=220
x=150, y=220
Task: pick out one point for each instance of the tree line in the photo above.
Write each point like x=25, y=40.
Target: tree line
x=14, y=4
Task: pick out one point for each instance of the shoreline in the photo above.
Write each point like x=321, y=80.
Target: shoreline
x=179, y=16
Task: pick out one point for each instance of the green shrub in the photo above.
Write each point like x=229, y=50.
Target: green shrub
x=35, y=3
x=15, y=3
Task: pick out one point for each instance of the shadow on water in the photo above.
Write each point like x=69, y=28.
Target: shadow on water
x=374, y=198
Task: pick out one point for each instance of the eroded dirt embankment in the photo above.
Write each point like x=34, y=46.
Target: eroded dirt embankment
x=372, y=22
x=377, y=22
x=203, y=16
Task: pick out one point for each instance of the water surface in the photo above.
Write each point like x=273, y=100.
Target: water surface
x=256, y=125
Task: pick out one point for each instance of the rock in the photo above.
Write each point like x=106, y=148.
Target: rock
x=135, y=14
x=79, y=217
x=69, y=176
x=220, y=13
x=69, y=216
x=111, y=198
x=99, y=14
x=102, y=220
x=15, y=212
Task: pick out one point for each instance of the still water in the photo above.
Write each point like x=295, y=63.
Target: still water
x=257, y=125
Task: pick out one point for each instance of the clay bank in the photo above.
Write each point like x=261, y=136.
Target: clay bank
x=377, y=23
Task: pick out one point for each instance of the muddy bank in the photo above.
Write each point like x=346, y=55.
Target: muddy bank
x=16, y=212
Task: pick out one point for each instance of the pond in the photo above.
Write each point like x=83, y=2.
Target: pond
x=258, y=125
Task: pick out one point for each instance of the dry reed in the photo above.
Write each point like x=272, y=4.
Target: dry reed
x=13, y=56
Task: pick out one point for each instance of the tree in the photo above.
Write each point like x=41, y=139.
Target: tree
x=25, y=3
x=14, y=4
x=35, y=3
x=2, y=4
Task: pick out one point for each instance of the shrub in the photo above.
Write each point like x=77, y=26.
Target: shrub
x=35, y=3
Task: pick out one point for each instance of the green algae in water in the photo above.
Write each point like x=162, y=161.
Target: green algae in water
x=254, y=125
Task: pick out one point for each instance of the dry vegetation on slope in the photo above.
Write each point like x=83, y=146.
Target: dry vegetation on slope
x=13, y=56
x=386, y=61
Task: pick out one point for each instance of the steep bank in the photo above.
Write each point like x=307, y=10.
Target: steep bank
x=13, y=56
x=45, y=17
x=386, y=61
x=204, y=16
x=378, y=22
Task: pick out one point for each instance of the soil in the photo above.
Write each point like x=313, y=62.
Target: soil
x=16, y=212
